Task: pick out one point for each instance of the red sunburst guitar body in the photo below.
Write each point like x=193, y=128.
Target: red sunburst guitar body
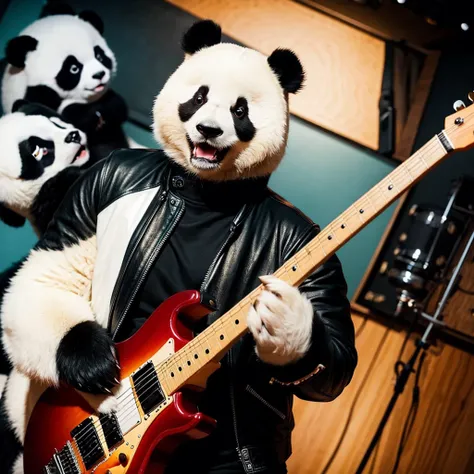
x=50, y=444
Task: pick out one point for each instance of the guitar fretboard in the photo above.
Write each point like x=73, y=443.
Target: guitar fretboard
x=216, y=340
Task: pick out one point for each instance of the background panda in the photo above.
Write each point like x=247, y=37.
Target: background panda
x=37, y=148
x=41, y=158
x=62, y=61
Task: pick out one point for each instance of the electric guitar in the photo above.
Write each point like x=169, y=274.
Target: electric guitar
x=65, y=435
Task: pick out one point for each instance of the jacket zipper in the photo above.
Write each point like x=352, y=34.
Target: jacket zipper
x=210, y=270
x=262, y=400
x=246, y=462
x=118, y=285
x=149, y=264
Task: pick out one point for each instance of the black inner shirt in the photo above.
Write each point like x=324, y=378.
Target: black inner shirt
x=209, y=210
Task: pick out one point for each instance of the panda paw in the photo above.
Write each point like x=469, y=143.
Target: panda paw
x=83, y=116
x=86, y=359
x=281, y=322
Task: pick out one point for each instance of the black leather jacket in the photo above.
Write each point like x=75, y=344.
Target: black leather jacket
x=263, y=236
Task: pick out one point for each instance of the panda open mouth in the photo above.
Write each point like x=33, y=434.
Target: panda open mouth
x=82, y=154
x=206, y=156
x=99, y=88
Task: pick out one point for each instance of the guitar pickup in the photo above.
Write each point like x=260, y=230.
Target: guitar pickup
x=148, y=387
x=111, y=429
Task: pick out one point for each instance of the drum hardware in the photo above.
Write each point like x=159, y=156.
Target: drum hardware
x=424, y=252
x=406, y=299
x=421, y=347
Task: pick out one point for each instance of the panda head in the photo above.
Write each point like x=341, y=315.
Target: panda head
x=223, y=114
x=64, y=52
x=35, y=145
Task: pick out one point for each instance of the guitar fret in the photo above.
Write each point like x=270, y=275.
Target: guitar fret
x=334, y=233
x=407, y=171
x=357, y=210
x=370, y=202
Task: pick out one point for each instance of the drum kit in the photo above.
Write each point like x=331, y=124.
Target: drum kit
x=425, y=254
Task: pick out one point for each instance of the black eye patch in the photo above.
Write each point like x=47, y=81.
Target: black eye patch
x=243, y=125
x=36, y=154
x=70, y=74
x=189, y=108
x=102, y=57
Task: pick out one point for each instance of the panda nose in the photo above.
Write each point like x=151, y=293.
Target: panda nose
x=99, y=75
x=74, y=137
x=209, y=132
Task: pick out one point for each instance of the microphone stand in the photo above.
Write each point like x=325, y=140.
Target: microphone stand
x=421, y=346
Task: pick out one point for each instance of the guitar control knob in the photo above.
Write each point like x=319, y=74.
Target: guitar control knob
x=123, y=459
x=459, y=105
x=471, y=96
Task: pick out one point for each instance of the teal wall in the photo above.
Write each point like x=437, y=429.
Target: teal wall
x=321, y=174
x=14, y=243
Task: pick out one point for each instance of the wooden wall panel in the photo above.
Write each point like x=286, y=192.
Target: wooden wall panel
x=442, y=440
x=344, y=65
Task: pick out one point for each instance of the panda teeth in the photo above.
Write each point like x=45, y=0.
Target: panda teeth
x=205, y=151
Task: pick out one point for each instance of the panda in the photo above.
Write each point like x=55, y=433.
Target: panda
x=196, y=213
x=42, y=157
x=63, y=62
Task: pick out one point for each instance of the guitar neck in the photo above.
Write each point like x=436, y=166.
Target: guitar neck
x=216, y=340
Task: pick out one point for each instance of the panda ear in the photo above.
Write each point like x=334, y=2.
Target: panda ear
x=18, y=104
x=17, y=49
x=56, y=8
x=94, y=19
x=202, y=34
x=286, y=65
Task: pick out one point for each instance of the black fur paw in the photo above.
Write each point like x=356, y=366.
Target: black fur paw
x=82, y=116
x=86, y=359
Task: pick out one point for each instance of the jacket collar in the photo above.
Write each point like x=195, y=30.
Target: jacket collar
x=245, y=192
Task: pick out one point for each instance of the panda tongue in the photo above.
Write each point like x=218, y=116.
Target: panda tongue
x=205, y=151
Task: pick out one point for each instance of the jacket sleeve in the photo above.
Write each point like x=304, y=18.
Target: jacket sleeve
x=332, y=339
x=51, y=292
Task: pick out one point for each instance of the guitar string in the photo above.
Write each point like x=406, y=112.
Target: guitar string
x=329, y=231
x=367, y=197
x=321, y=234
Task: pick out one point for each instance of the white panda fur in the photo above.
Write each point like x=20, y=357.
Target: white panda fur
x=66, y=299
x=58, y=36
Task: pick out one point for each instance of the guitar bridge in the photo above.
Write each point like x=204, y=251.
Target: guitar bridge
x=63, y=462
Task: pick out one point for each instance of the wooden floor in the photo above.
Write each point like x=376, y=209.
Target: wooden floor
x=442, y=439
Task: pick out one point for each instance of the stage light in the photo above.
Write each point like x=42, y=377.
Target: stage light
x=464, y=26
x=401, y=1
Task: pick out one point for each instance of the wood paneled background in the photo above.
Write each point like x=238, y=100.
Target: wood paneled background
x=442, y=439
x=344, y=65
